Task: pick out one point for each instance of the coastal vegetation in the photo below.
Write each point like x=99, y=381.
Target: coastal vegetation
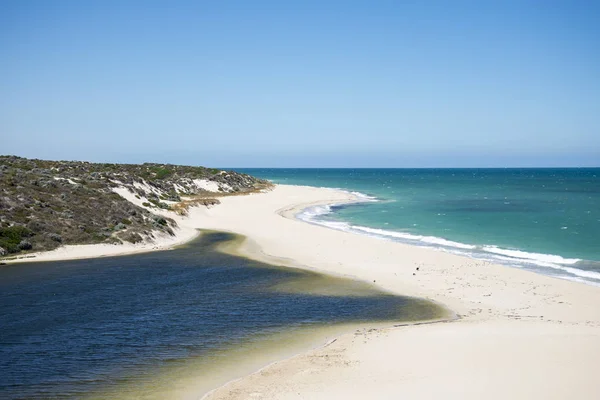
x=46, y=204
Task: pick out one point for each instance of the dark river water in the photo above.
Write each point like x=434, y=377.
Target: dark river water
x=155, y=325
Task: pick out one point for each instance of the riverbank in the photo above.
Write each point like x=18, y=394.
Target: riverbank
x=520, y=334
x=83, y=251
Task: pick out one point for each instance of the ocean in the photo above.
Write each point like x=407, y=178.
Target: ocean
x=166, y=324
x=546, y=220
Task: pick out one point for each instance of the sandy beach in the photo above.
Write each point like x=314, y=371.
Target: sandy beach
x=517, y=334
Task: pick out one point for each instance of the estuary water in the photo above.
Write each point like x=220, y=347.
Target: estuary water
x=168, y=324
x=546, y=220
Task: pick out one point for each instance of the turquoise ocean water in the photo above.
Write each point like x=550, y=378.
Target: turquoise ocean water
x=546, y=220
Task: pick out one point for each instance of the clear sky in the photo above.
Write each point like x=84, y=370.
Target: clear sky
x=302, y=83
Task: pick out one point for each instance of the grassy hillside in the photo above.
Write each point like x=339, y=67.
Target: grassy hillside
x=44, y=204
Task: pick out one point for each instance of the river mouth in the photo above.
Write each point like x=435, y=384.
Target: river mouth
x=171, y=324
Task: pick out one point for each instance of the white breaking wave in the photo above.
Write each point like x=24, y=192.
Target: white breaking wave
x=580, y=280
x=364, y=197
x=448, y=243
x=582, y=273
x=510, y=257
x=309, y=214
x=518, y=254
x=576, y=272
x=410, y=237
x=383, y=232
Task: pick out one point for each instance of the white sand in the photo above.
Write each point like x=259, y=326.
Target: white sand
x=520, y=335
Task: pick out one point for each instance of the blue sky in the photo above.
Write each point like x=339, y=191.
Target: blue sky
x=302, y=84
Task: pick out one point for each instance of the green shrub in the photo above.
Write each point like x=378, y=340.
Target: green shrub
x=12, y=236
x=15, y=233
x=160, y=172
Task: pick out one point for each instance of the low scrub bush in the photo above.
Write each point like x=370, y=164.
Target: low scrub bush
x=12, y=238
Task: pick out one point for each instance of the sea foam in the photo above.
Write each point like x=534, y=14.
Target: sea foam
x=511, y=257
x=523, y=255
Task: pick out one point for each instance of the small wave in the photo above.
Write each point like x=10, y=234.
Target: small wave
x=523, y=255
x=311, y=213
x=513, y=260
x=510, y=257
x=383, y=232
x=571, y=273
x=360, y=196
x=448, y=243
x=407, y=236
x=364, y=197
x=580, y=280
x=582, y=273
x=340, y=226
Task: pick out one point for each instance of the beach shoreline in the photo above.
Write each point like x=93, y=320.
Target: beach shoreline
x=188, y=229
x=511, y=321
x=522, y=334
